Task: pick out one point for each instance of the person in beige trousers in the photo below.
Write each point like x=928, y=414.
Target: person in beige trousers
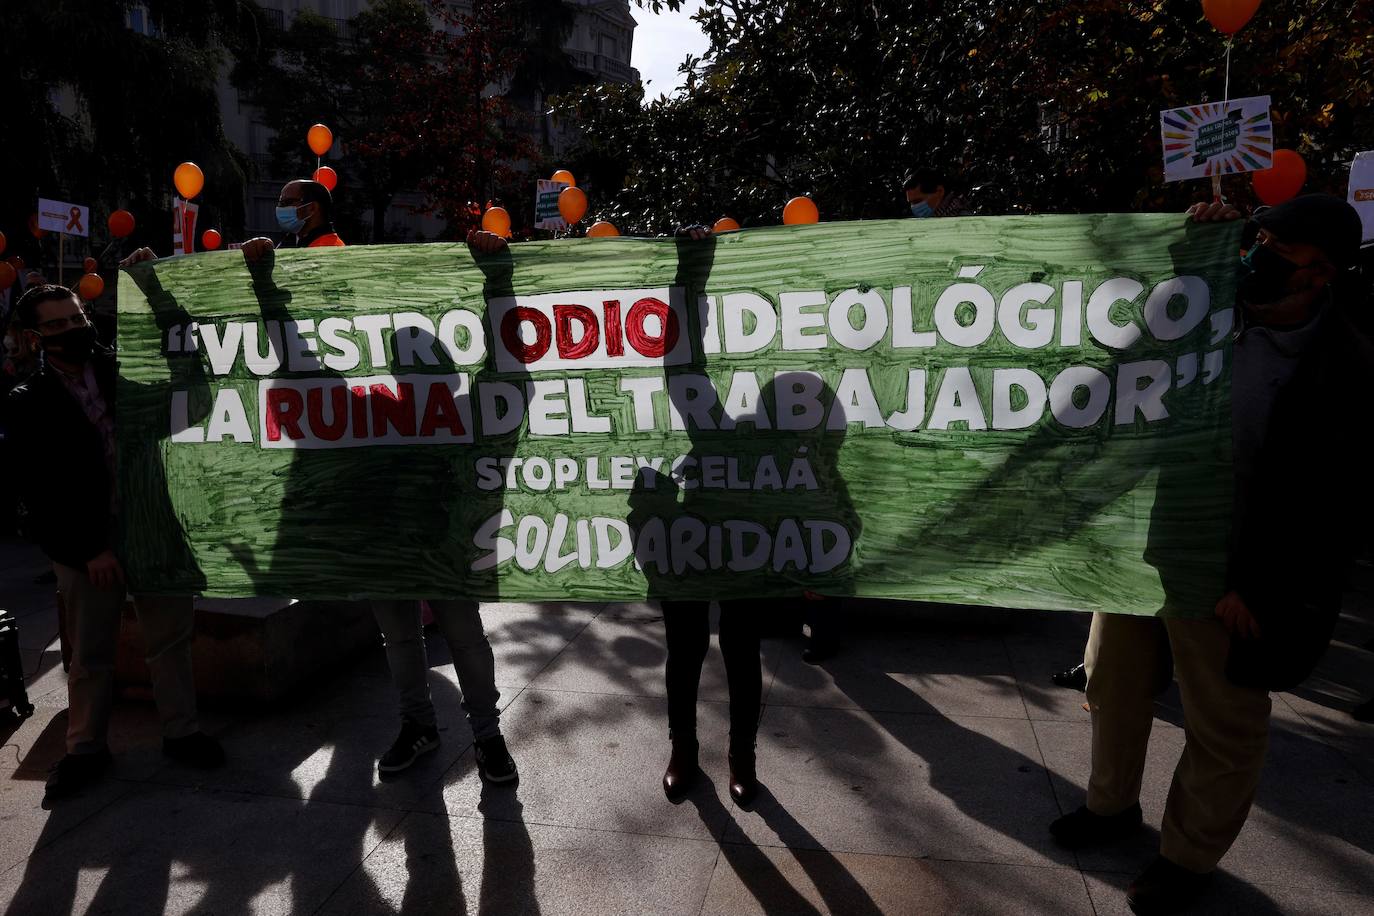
x=1302, y=256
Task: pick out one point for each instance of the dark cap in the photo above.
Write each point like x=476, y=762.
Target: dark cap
x=1317, y=219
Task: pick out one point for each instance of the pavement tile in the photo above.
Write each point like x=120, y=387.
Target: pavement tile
x=174, y=850
x=591, y=760
x=805, y=882
x=1309, y=827
x=26, y=826
x=622, y=652
x=505, y=867
x=324, y=745
x=1232, y=896
x=971, y=789
x=967, y=676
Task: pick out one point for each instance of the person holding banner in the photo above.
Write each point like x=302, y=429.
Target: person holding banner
x=932, y=193
x=62, y=430
x=1298, y=359
x=305, y=212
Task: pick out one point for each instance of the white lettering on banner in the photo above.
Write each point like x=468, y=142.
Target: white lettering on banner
x=354, y=412
x=590, y=329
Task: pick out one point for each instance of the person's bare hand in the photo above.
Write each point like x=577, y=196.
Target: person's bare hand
x=138, y=257
x=481, y=241
x=1215, y=212
x=1236, y=617
x=104, y=570
x=254, y=249
x=696, y=232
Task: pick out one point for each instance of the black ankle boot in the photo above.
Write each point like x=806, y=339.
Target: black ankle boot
x=744, y=780
x=682, y=769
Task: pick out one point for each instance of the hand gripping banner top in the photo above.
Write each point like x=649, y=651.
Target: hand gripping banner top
x=1017, y=411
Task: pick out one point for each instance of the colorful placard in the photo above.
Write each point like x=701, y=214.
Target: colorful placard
x=546, y=215
x=1217, y=138
x=1362, y=191
x=61, y=217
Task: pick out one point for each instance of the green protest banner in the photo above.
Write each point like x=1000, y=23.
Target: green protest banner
x=1022, y=411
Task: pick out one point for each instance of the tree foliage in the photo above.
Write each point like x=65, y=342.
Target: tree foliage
x=1047, y=106
x=139, y=105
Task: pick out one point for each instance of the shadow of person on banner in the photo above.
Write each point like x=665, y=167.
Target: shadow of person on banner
x=155, y=546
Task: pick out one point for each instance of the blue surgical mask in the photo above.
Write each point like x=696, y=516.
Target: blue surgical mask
x=922, y=210
x=289, y=219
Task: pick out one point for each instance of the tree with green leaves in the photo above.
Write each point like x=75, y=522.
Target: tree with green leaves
x=99, y=113
x=1043, y=107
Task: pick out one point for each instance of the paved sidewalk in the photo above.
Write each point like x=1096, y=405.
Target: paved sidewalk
x=914, y=774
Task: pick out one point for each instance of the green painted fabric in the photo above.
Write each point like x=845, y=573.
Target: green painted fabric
x=1024, y=412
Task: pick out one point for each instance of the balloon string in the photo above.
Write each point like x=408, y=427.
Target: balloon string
x=1226, y=93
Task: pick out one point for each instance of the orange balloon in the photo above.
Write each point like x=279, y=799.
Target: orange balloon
x=1283, y=181
x=189, y=179
x=89, y=265
x=565, y=177
x=327, y=177
x=725, y=224
x=34, y=227
x=121, y=223
x=7, y=275
x=800, y=210
x=602, y=230
x=320, y=138
x=497, y=220
x=3, y=242
x=90, y=286
x=1229, y=16
x=210, y=239
x=572, y=204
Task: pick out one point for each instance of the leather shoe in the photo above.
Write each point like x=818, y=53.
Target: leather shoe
x=1082, y=828
x=744, y=780
x=682, y=770
x=1075, y=678
x=75, y=772
x=1165, y=888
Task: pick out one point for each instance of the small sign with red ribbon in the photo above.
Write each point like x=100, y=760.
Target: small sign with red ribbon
x=184, y=226
x=68, y=219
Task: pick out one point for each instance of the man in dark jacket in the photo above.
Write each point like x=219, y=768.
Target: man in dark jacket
x=1296, y=480
x=62, y=434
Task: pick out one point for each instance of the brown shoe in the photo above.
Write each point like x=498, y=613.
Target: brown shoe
x=682, y=770
x=744, y=780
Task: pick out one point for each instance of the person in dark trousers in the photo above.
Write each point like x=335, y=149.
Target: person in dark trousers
x=1301, y=354
x=473, y=661
x=62, y=441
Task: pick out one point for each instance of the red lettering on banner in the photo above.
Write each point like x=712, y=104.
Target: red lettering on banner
x=358, y=400
x=564, y=316
x=639, y=338
x=338, y=410
x=441, y=412
x=284, y=406
x=615, y=344
x=510, y=334
x=390, y=408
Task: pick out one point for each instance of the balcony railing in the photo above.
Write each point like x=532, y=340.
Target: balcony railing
x=601, y=66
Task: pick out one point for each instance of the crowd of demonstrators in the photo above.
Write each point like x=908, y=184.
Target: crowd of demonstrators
x=1304, y=343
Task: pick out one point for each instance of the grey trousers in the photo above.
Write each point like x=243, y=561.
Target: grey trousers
x=92, y=627
x=461, y=624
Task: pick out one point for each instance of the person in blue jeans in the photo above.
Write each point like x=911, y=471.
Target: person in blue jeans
x=461, y=624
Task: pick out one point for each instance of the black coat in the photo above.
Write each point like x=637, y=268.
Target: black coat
x=1294, y=547
x=59, y=462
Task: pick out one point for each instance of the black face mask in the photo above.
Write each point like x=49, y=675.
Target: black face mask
x=74, y=345
x=1264, y=276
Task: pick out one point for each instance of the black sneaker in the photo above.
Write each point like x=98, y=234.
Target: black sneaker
x=197, y=750
x=413, y=741
x=494, y=762
x=1081, y=828
x=1165, y=888
x=1075, y=678
x=75, y=772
